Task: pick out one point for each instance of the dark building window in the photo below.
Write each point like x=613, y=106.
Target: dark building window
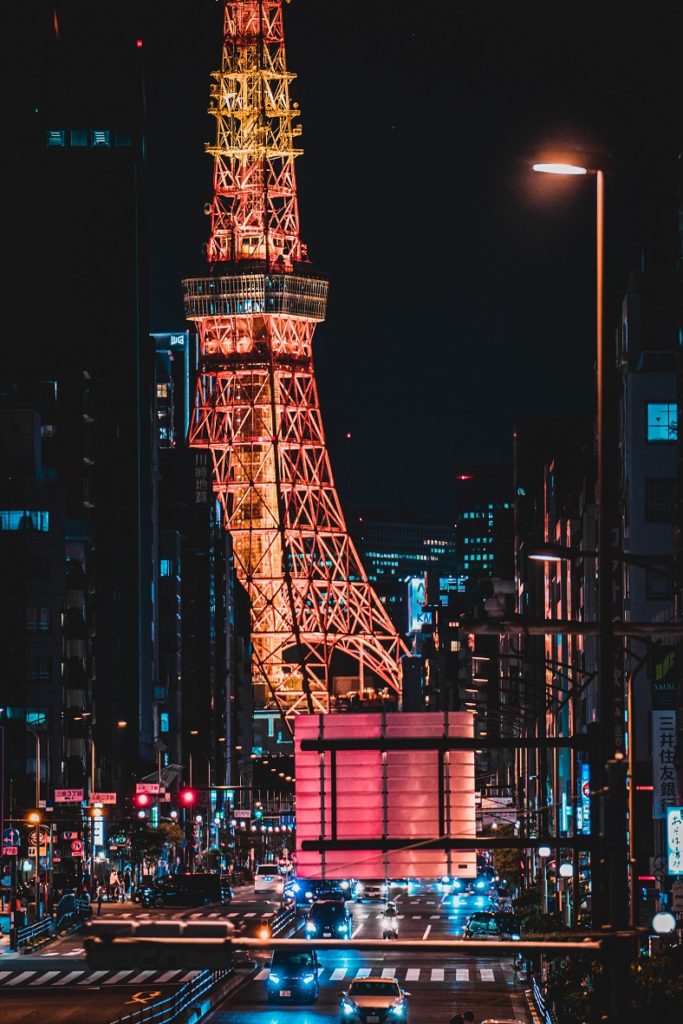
x=660, y=499
x=80, y=137
x=659, y=584
x=38, y=568
x=662, y=422
x=38, y=620
x=39, y=669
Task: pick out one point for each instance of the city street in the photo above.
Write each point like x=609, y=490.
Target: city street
x=59, y=977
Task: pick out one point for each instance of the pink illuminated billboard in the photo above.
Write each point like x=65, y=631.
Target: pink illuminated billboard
x=407, y=796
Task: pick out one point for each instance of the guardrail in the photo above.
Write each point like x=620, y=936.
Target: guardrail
x=28, y=932
x=166, y=1010
x=547, y=1014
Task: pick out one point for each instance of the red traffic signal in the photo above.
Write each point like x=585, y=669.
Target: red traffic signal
x=187, y=797
x=141, y=800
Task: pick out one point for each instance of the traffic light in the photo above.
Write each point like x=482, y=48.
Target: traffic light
x=141, y=801
x=258, y=813
x=188, y=797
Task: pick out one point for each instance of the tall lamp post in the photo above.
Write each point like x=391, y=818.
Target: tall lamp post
x=608, y=896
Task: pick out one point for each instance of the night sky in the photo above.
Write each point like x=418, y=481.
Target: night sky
x=462, y=285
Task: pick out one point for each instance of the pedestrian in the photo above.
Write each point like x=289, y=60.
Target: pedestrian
x=127, y=882
x=100, y=894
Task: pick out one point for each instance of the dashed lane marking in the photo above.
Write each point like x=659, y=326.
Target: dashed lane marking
x=427, y=931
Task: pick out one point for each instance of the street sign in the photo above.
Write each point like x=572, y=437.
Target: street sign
x=147, y=787
x=68, y=796
x=103, y=798
x=674, y=840
x=69, y=834
x=10, y=837
x=76, y=848
x=242, y=814
x=10, y=851
x=44, y=833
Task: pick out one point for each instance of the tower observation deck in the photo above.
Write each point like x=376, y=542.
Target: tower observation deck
x=256, y=406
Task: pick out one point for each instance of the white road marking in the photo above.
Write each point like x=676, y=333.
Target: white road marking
x=52, y=954
x=189, y=976
x=24, y=976
x=431, y=903
x=252, y=913
x=215, y=914
x=389, y=972
x=44, y=978
x=198, y=914
x=462, y=974
x=142, y=976
x=416, y=917
x=338, y=974
x=234, y=913
x=92, y=978
x=72, y=975
x=427, y=931
x=363, y=972
x=355, y=932
x=413, y=974
x=437, y=974
x=167, y=976
x=434, y=917
x=119, y=976
x=486, y=974
x=263, y=974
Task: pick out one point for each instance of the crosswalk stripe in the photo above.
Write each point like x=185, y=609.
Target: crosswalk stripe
x=389, y=972
x=6, y=974
x=92, y=978
x=251, y=913
x=71, y=976
x=167, y=976
x=413, y=974
x=47, y=976
x=338, y=974
x=437, y=973
x=416, y=917
x=401, y=917
x=363, y=972
x=215, y=914
x=189, y=976
x=197, y=914
x=486, y=974
x=119, y=976
x=462, y=974
x=24, y=976
x=234, y=913
x=142, y=976
x=262, y=975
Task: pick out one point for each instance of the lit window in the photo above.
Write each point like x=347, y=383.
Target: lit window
x=79, y=137
x=101, y=138
x=38, y=620
x=662, y=421
x=163, y=722
x=165, y=567
x=48, y=430
x=24, y=519
x=162, y=390
x=455, y=645
x=56, y=137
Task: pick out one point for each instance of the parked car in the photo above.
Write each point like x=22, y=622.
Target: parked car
x=293, y=976
x=328, y=919
x=186, y=890
x=374, y=1000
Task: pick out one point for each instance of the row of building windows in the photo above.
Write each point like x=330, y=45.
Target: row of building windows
x=82, y=138
x=477, y=540
x=24, y=519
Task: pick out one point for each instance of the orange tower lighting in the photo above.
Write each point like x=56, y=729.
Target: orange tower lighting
x=256, y=406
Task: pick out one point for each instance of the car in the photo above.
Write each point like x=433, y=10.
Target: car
x=186, y=890
x=374, y=1000
x=373, y=889
x=268, y=879
x=328, y=919
x=293, y=976
x=484, y=924
x=307, y=891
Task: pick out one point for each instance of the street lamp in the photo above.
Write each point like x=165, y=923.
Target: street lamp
x=573, y=162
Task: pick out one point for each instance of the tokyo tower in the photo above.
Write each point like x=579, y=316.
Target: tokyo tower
x=256, y=408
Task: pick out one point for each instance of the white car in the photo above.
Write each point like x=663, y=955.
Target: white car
x=267, y=879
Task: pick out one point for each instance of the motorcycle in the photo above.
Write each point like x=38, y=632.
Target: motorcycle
x=389, y=925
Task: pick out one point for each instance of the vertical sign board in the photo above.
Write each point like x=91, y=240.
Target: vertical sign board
x=663, y=762
x=367, y=794
x=674, y=840
x=583, y=805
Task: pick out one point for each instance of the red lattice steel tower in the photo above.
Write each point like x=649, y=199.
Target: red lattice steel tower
x=257, y=408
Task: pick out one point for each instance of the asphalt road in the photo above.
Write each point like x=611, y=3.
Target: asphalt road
x=58, y=984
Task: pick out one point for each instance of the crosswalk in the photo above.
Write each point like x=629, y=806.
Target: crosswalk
x=412, y=974
x=36, y=978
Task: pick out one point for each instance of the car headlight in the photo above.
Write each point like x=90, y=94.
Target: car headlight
x=457, y=884
x=274, y=978
x=480, y=884
x=308, y=979
x=310, y=927
x=398, y=1009
x=295, y=887
x=344, y=885
x=359, y=887
x=308, y=895
x=445, y=879
x=515, y=938
x=348, y=1009
x=341, y=929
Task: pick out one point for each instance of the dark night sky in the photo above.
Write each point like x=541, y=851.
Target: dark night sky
x=462, y=285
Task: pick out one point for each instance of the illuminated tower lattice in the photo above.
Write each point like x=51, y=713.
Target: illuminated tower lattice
x=257, y=408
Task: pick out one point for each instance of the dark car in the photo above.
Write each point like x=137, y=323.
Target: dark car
x=293, y=976
x=186, y=890
x=487, y=925
x=307, y=891
x=329, y=919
